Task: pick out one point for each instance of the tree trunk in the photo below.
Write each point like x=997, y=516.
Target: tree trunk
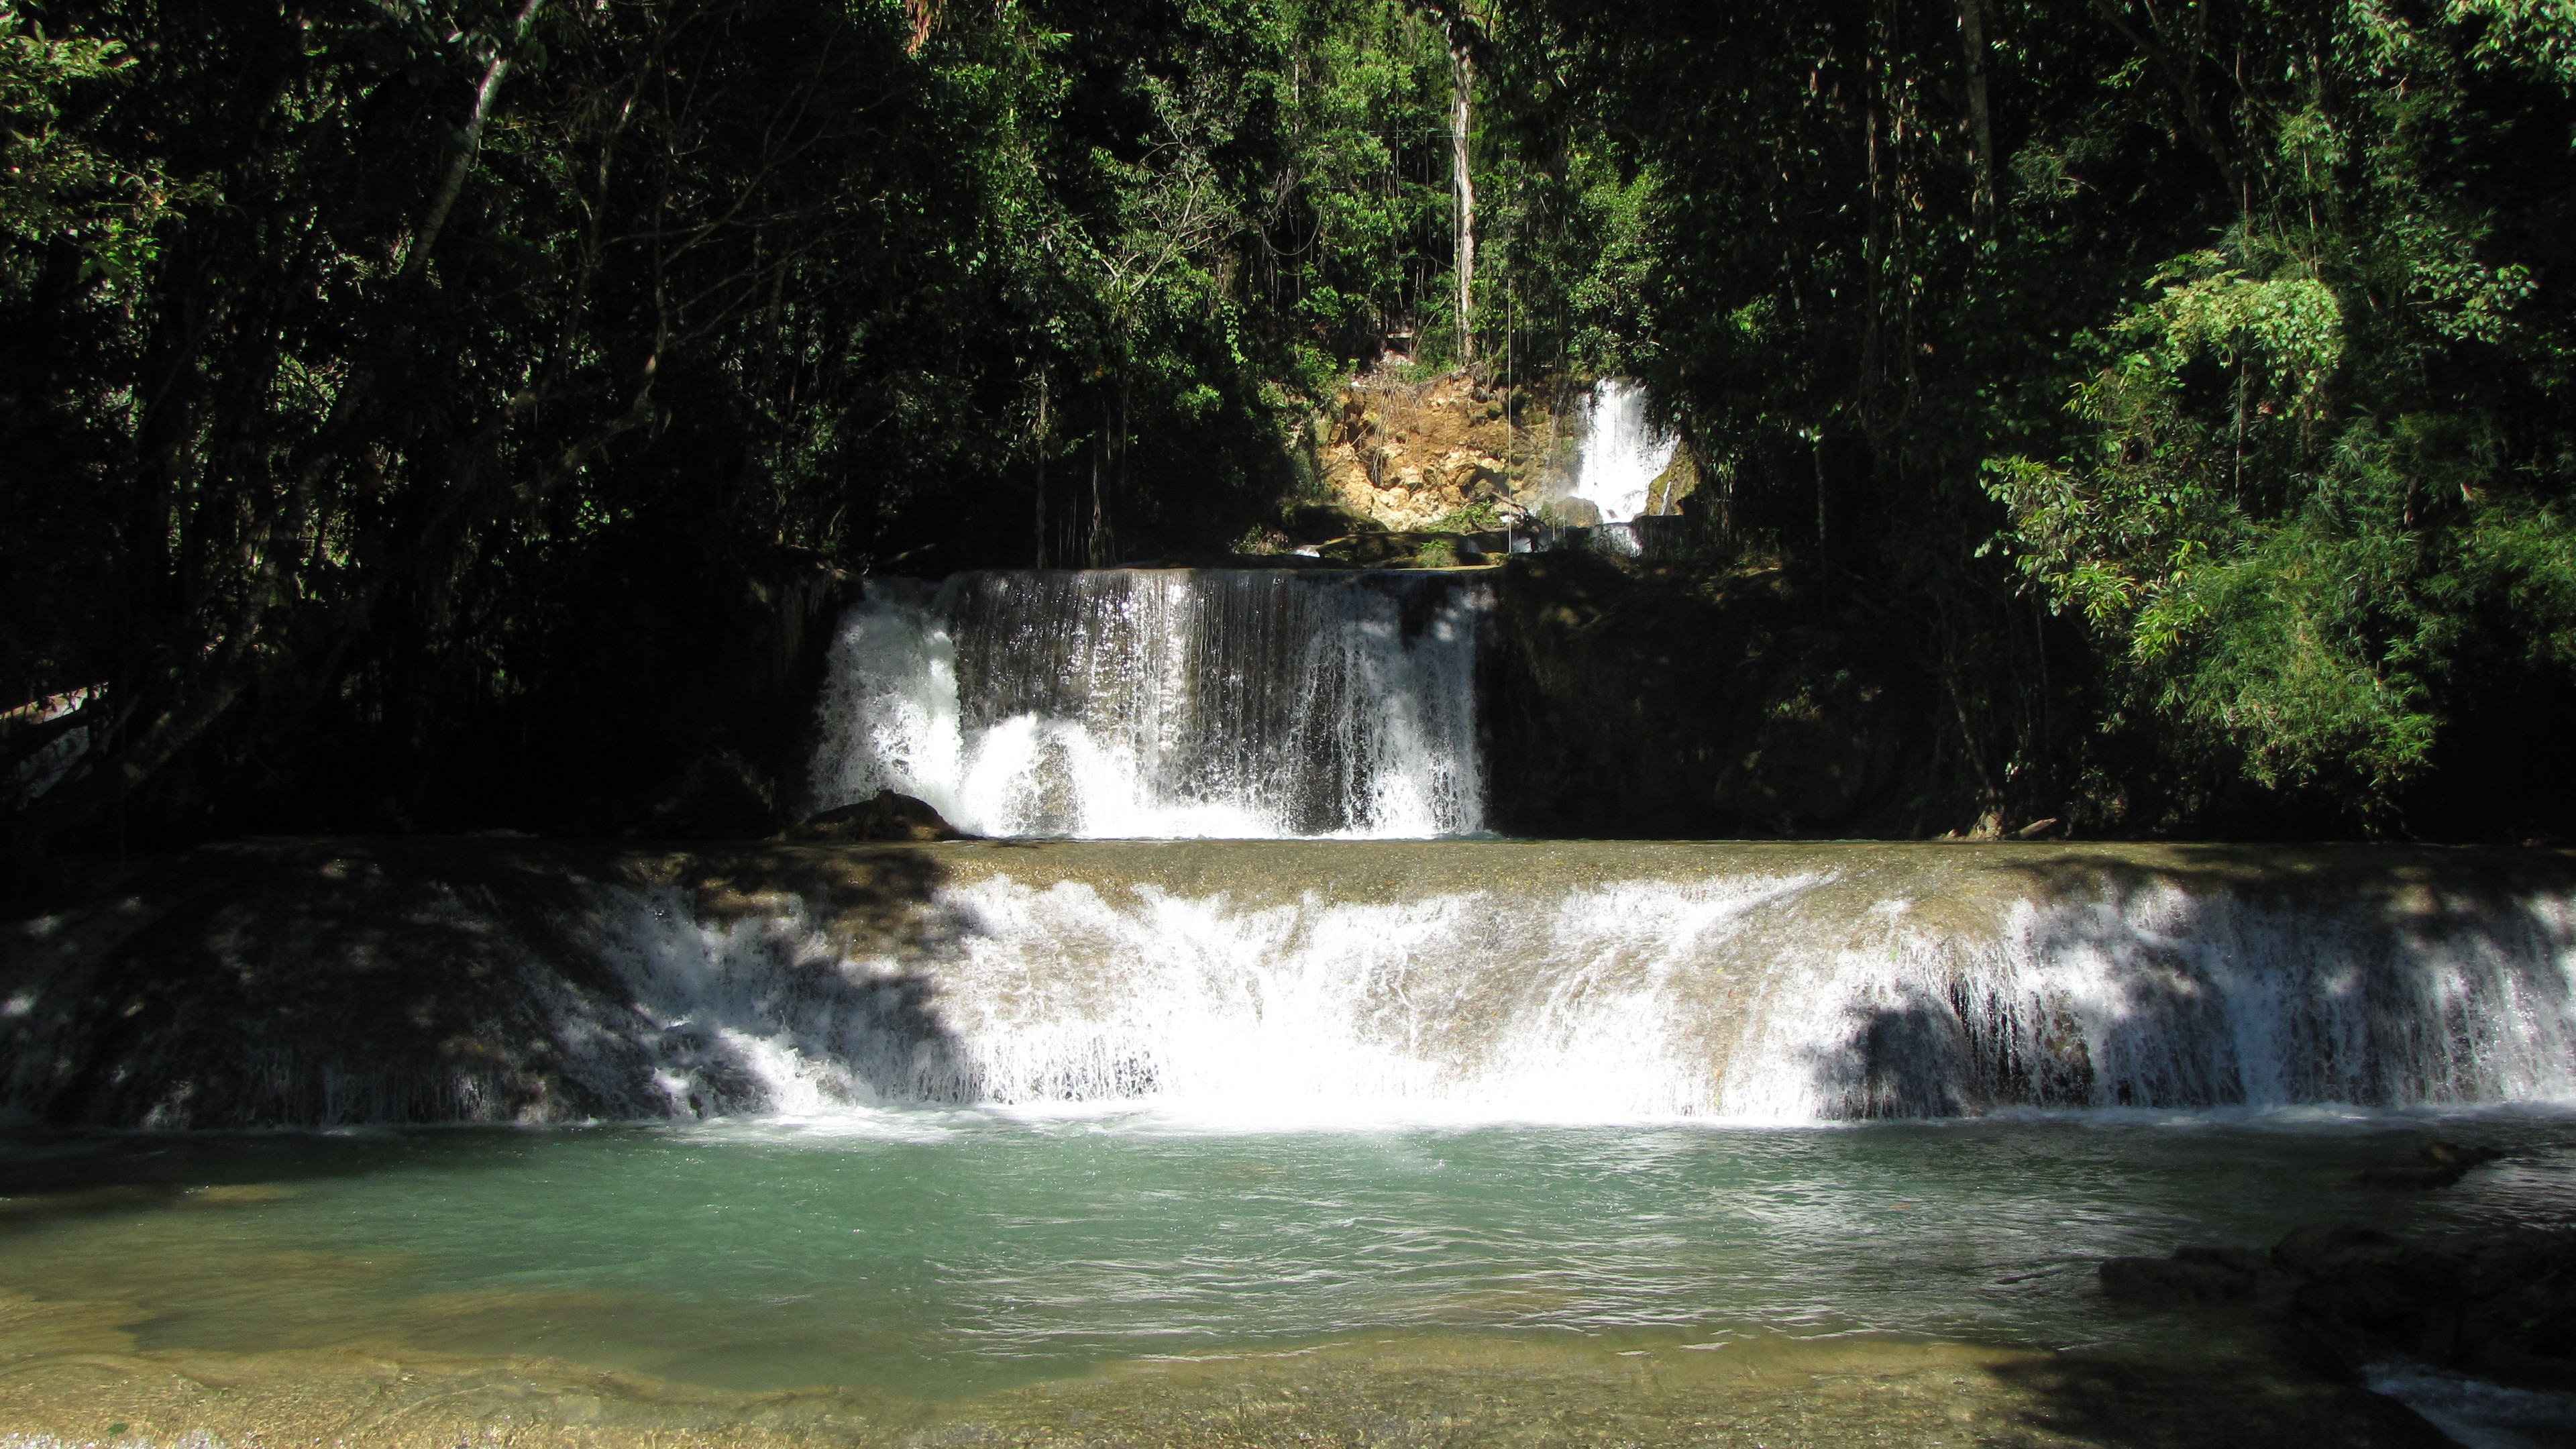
x=2180, y=71
x=1462, y=114
x=1041, y=521
x=1981, y=115
x=417, y=254
x=1091, y=550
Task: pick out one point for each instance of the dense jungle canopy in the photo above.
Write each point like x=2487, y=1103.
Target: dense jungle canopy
x=417, y=414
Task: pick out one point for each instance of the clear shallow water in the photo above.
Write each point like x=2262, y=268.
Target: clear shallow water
x=938, y=1255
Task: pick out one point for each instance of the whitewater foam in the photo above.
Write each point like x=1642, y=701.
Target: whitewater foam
x=1622, y=452
x=1753, y=999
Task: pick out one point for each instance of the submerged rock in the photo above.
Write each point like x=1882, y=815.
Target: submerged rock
x=2445, y=1163
x=2501, y=1308
x=2191, y=1275
x=2452, y=1152
x=885, y=816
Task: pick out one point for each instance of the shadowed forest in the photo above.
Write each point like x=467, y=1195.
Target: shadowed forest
x=438, y=415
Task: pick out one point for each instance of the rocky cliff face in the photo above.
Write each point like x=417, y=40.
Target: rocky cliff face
x=1413, y=455
x=1458, y=452
x=1628, y=702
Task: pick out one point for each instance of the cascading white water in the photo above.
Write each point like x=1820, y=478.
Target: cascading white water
x=1340, y=981
x=1163, y=704
x=1579, y=1005
x=2168, y=998
x=1622, y=453
x=1801, y=994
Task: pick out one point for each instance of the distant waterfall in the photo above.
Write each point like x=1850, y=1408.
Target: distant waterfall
x=1163, y=704
x=1622, y=453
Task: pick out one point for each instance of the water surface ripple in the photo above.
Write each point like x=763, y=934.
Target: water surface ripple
x=948, y=1253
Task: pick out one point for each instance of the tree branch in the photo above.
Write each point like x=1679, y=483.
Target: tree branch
x=450, y=186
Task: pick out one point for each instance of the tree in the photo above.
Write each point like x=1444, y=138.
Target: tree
x=2186, y=371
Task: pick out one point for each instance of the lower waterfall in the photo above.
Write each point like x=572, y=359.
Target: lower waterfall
x=1298, y=981
x=1766, y=997
x=1159, y=704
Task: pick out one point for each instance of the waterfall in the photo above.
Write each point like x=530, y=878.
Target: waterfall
x=1163, y=703
x=1340, y=981
x=1778, y=997
x=1622, y=454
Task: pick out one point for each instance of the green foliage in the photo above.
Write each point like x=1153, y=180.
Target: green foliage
x=370, y=360
x=2185, y=388
x=2193, y=379
x=2256, y=518
x=1484, y=515
x=1361, y=246
x=2122, y=536
x=332, y=482
x=55, y=185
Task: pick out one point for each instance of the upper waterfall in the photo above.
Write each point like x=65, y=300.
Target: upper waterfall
x=1163, y=703
x=1622, y=452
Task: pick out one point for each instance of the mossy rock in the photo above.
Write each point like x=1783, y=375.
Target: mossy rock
x=1404, y=550
x=1316, y=523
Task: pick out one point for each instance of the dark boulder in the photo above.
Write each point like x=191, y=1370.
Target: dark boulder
x=2234, y=1260
x=1324, y=522
x=2311, y=1248
x=886, y=816
x=2502, y=1308
x=2445, y=1163
x=720, y=795
x=1637, y=701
